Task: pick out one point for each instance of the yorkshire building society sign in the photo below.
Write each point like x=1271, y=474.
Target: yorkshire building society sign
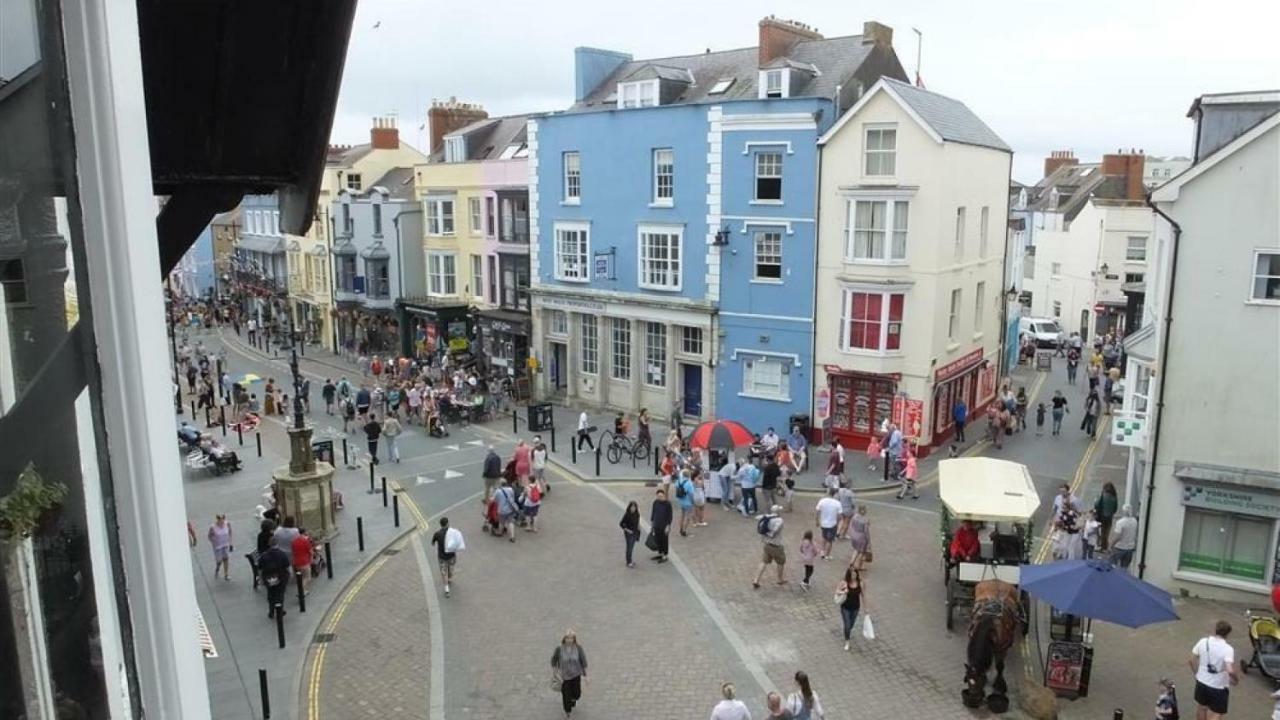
x=1129, y=429
x=1236, y=499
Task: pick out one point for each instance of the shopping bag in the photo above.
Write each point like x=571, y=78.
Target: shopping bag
x=651, y=542
x=453, y=541
x=868, y=630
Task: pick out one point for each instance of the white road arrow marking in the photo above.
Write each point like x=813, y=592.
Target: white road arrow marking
x=477, y=443
x=451, y=474
x=452, y=447
x=424, y=480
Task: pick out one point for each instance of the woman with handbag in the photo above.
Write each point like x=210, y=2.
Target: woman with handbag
x=569, y=670
x=630, y=525
x=660, y=517
x=850, y=595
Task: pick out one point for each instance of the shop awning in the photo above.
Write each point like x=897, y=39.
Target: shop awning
x=987, y=489
x=261, y=243
x=504, y=320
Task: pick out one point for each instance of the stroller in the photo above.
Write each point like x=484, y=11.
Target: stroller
x=491, y=523
x=436, y=427
x=1264, y=633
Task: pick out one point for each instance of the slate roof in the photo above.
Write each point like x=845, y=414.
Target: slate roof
x=398, y=183
x=950, y=118
x=837, y=59
x=1075, y=185
x=486, y=139
x=347, y=156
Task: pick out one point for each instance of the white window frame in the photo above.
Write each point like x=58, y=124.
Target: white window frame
x=440, y=283
x=355, y=183
x=691, y=340
x=455, y=149
x=589, y=354
x=650, y=263
x=758, y=161
x=571, y=182
x=782, y=75
x=762, y=235
x=897, y=211
x=1255, y=276
x=962, y=214
x=664, y=168
x=979, y=298
x=638, y=94
x=1129, y=248
x=558, y=323
x=582, y=274
x=983, y=226
x=477, y=276
x=655, y=354
x=886, y=299
x=953, y=313
x=473, y=209
x=440, y=223
x=752, y=364
x=275, y=222
x=880, y=154
x=490, y=216
x=620, y=362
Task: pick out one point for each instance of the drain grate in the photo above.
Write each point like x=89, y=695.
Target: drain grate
x=322, y=638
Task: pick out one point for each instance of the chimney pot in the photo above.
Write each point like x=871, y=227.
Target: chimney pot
x=777, y=37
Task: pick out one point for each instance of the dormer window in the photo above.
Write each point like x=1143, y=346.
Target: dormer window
x=643, y=93
x=775, y=83
x=455, y=149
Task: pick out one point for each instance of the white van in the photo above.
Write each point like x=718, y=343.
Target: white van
x=1044, y=331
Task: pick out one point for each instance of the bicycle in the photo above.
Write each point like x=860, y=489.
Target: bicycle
x=622, y=445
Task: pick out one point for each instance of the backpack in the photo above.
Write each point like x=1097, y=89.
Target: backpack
x=681, y=493
x=762, y=525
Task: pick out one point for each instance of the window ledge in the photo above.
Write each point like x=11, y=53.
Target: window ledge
x=572, y=280
x=655, y=387
x=871, y=261
x=659, y=288
x=953, y=346
x=766, y=281
x=895, y=355
x=765, y=202
x=575, y=201
x=758, y=396
x=977, y=336
x=662, y=204
x=1221, y=581
x=880, y=179
x=1264, y=303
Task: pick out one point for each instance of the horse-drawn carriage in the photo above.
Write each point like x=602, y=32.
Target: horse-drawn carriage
x=987, y=506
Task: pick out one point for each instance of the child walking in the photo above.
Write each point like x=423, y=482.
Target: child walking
x=909, y=479
x=808, y=553
x=1040, y=419
x=873, y=452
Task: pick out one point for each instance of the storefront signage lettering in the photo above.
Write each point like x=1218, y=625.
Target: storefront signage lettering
x=837, y=370
x=1233, y=499
x=958, y=366
x=572, y=304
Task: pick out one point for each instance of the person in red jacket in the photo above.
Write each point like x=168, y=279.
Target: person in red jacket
x=301, y=547
x=964, y=544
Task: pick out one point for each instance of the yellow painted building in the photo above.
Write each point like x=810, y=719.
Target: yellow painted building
x=310, y=258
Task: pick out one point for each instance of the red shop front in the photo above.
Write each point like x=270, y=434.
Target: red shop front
x=860, y=403
x=971, y=378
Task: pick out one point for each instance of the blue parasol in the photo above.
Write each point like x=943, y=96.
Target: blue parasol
x=1098, y=590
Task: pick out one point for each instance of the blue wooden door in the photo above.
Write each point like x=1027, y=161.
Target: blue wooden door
x=693, y=390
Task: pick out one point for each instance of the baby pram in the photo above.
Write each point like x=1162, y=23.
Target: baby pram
x=491, y=522
x=1264, y=633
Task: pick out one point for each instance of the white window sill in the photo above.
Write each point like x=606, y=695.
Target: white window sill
x=765, y=202
x=873, y=261
x=977, y=336
x=572, y=279
x=620, y=379
x=662, y=204
x=1222, y=581
x=758, y=396
x=655, y=387
x=766, y=281
x=879, y=180
x=571, y=201
x=896, y=354
x=659, y=288
x=953, y=346
x=1264, y=303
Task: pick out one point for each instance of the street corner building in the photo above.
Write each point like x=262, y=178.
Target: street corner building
x=1200, y=412
x=913, y=201
x=673, y=212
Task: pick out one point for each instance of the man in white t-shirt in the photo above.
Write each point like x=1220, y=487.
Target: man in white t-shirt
x=827, y=516
x=1213, y=660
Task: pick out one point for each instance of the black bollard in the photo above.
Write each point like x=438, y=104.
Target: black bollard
x=515, y=429
x=553, y=438
x=266, y=699
x=886, y=460
x=193, y=410
x=573, y=450
x=302, y=594
x=208, y=422
x=222, y=418
x=328, y=560
x=344, y=452
x=395, y=509
x=240, y=433
x=360, y=532
x=280, y=624
x=598, y=446
x=384, y=491
x=657, y=462
x=259, y=436
x=372, y=490
x=1118, y=714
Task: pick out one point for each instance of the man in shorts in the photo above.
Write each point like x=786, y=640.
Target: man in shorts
x=770, y=529
x=447, y=559
x=1213, y=660
x=827, y=516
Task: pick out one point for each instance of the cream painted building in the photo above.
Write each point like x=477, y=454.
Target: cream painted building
x=912, y=206
x=310, y=256
x=1201, y=410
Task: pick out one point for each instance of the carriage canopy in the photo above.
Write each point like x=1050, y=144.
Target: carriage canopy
x=987, y=489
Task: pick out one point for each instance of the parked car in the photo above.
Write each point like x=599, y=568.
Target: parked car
x=1044, y=331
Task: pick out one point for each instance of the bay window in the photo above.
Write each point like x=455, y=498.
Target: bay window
x=876, y=230
x=871, y=321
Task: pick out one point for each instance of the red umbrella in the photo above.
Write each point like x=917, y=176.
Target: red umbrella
x=720, y=434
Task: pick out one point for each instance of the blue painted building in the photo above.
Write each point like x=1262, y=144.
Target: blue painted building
x=673, y=211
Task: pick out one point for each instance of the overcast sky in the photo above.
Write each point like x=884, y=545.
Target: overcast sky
x=1085, y=75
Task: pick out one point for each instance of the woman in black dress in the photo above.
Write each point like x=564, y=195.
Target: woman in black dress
x=660, y=517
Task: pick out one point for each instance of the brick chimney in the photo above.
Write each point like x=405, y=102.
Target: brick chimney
x=384, y=135
x=1057, y=159
x=778, y=36
x=448, y=116
x=873, y=33
x=1130, y=166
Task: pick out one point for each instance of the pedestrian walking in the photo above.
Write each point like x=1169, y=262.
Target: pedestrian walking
x=363, y=400
x=372, y=431
x=808, y=553
x=523, y=465
x=1040, y=410
x=1213, y=660
x=644, y=436
x=684, y=498
x=328, y=392
x=769, y=527
x=860, y=535
x=1123, y=538
x=508, y=509
x=730, y=707
x=491, y=473
x=726, y=476
x=584, y=432
x=391, y=431
x=909, y=478
x=773, y=702
x=1091, y=408
x=348, y=414
x=769, y=477
x=746, y=479
x=1060, y=409
x=826, y=517
x=569, y=666
x=849, y=597
x=1073, y=365
x=699, y=498
x=220, y=541
x=660, y=518
x=960, y=413
x=1105, y=508
x=538, y=464
x=275, y=567
x=531, y=503
x=284, y=535
x=301, y=550
x=630, y=524
x=449, y=543
x=1020, y=410
x=803, y=703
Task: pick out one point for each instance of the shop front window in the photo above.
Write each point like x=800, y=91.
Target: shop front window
x=1231, y=545
x=860, y=404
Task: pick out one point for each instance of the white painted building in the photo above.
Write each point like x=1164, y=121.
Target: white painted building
x=1159, y=170
x=912, y=227
x=1203, y=469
